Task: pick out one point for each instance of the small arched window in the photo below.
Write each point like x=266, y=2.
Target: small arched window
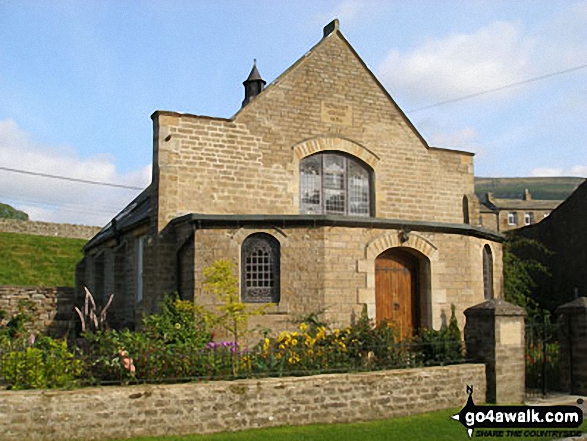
x=466, y=219
x=260, y=269
x=333, y=183
x=487, y=273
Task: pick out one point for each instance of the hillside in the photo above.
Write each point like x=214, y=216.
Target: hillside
x=38, y=260
x=8, y=212
x=558, y=188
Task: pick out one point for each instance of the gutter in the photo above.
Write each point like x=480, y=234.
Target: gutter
x=206, y=221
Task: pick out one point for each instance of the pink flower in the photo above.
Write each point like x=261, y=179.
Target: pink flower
x=127, y=362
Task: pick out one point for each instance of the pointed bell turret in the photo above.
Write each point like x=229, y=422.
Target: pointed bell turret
x=254, y=84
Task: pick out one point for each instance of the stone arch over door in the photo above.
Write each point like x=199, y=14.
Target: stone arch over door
x=415, y=247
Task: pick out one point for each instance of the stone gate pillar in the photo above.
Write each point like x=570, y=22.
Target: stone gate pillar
x=494, y=335
x=572, y=332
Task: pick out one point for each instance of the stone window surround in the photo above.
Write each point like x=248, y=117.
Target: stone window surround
x=271, y=269
x=488, y=272
x=281, y=237
x=512, y=218
x=344, y=184
x=331, y=144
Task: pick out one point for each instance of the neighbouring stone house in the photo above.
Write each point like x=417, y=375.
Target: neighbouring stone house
x=504, y=214
x=563, y=233
x=322, y=193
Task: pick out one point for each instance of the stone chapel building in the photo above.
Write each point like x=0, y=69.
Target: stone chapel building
x=322, y=193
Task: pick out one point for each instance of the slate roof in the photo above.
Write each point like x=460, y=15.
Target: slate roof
x=133, y=215
x=494, y=205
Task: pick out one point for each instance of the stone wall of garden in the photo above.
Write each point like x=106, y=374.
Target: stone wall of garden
x=123, y=412
x=50, y=308
x=37, y=228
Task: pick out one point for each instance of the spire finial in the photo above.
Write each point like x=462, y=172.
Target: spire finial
x=254, y=84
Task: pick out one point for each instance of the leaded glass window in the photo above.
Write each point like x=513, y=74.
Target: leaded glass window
x=260, y=269
x=332, y=183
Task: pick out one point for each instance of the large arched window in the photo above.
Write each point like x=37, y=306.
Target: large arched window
x=260, y=269
x=487, y=273
x=333, y=183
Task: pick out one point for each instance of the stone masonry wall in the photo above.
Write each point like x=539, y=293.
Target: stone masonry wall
x=122, y=412
x=48, y=229
x=53, y=307
x=332, y=269
x=250, y=164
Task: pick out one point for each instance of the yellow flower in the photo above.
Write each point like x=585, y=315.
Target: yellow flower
x=282, y=347
x=294, y=342
x=303, y=327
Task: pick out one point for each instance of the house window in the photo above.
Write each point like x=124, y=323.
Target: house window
x=260, y=269
x=512, y=218
x=528, y=218
x=99, y=276
x=333, y=183
x=487, y=273
x=140, y=267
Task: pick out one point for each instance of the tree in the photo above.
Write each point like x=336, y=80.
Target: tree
x=521, y=267
x=232, y=315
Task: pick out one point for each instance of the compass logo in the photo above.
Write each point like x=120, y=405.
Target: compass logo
x=518, y=420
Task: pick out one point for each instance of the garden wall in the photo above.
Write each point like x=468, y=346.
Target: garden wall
x=48, y=229
x=51, y=308
x=122, y=412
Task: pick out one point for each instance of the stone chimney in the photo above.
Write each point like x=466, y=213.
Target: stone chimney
x=527, y=195
x=254, y=84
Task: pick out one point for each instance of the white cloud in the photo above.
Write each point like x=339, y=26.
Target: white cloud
x=57, y=200
x=495, y=55
x=460, y=64
x=576, y=171
x=348, y=12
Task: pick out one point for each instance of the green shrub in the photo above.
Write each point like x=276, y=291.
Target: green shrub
x=169, y=345
x=49, y=364
x=443, y=346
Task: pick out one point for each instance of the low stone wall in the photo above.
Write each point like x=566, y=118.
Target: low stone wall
x=52, y=309
x=48, y=229
x=123, y=412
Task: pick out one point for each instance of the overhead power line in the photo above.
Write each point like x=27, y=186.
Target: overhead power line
x=497, y=89
x=67, y=178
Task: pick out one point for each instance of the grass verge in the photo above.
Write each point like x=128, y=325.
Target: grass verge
x=434, y=426
x=38, y=260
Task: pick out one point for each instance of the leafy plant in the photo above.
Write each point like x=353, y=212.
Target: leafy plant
x=232, y=315
x=92, y=318
x=520, y=271
x=49, y=364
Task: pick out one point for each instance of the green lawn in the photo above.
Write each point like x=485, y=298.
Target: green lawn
x=38, y=260
x=435, y=426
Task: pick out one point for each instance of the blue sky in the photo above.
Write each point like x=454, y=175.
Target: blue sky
x=80, y=79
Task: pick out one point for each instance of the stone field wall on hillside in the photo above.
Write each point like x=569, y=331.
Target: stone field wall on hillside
x=48, y=229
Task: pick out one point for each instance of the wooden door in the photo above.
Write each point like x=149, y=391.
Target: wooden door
x=396, y=280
